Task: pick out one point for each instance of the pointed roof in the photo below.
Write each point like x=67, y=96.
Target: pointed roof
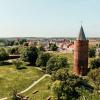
x=81, y=35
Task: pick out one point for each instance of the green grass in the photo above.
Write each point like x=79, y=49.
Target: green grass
x=43, y=91
x=11, y=78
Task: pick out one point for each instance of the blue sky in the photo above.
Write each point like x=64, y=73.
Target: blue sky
x=49, y=18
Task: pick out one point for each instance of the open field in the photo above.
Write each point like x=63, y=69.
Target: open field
x=11, y=78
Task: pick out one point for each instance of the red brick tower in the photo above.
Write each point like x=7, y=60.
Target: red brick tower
x=80, y=54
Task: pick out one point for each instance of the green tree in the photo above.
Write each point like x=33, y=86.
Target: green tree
x=22, y=41
x=66, y=86
x=41, y=48
x=94, y=75
x=53, y=47
x=42, y=59
x=3, y=55
x=9, y=42
x=60, y=74
x=92, y=52
x=30, y=55
x=13, y=50
x=94, y=63
x=56, y=62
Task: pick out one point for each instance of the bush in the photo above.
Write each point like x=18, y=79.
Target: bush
x=19, y=64
x=42, y=59
x=56, y=62
x=3, y=54
x=30, y=55
x=95, y=63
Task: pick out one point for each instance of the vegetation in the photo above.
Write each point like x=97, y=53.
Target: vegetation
x=43, y=90
x=3, y=55
x=19, y=64
x=63, y=86
x=94, y=76
x=11, y=78
x=43, y=59
x=56, y=62
x=95, y=63
x=22, y=41
x=66, y=86
x=92, y=52
x=13, y=50
x=30, y=55
x=53, y=47
x=41, y=48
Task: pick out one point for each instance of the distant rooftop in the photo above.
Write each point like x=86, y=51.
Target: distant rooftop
x=81, y=34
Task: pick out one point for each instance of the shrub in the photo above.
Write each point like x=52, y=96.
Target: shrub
x=95, y=63
x=42, y=59
x=56, y=62
x=19, y=64
x=3, y=54
x=30, y=55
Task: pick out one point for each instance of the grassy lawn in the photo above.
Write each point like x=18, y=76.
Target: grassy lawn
x=11, y=78
x=43, y=91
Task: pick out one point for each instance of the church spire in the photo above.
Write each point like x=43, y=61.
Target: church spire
x=81, y=34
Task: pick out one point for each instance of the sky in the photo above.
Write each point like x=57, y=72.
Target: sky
x=49, y=18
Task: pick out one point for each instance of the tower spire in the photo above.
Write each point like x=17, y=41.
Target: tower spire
x=81, y=35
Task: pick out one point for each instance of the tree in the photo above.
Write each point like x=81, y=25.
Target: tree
x=3, y=55
x=41, y=48
x=60, y=74
x=13, y=50
x=92, y=52
x=66, y=86
x=53, y=47
x=94, y=75
x=30, y=55
x=56, y=62
x=42, y=59
x=22, y=41
x=16, y=42
x=9, y=42
x=95, y=63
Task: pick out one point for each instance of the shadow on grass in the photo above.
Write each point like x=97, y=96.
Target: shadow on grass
x=20, y=68
x=5, y=63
